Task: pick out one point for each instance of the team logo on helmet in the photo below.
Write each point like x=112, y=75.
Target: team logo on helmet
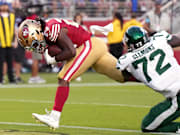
x=25, y=31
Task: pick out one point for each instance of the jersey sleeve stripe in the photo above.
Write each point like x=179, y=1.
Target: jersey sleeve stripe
x=169, y=37
x=58, y=29
x=52, y=32
x=55, y=35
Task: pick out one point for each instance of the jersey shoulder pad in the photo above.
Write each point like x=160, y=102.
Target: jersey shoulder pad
x=124, y=61
x=52, y=29
x=162, y=34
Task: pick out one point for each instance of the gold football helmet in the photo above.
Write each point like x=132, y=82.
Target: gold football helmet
x=30, y=36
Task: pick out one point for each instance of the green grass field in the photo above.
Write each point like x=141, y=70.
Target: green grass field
x=96, y=106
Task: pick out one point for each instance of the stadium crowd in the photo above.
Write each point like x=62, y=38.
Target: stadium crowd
x=91, y=8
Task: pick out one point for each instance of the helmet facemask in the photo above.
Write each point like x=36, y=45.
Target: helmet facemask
x=38, y=46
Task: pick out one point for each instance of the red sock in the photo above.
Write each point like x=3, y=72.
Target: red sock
x=61, y=97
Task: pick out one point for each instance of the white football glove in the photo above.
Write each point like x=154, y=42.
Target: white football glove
x=102, y=29
x=49, y=59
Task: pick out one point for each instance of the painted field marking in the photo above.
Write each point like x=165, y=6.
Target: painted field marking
x=71, y=103
x=72, y=85
x=81, y=127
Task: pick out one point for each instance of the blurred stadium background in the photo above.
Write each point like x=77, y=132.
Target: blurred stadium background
x=95, y=12
x=97, y=105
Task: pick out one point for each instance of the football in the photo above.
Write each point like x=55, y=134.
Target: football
x=54, y=50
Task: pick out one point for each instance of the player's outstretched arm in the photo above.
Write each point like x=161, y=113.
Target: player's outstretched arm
x=175, y=40
x=65, y=43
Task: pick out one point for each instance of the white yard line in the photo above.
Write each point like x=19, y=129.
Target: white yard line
x=80, y=127
x=76, y=103
x=65, y=126
x=72, y=84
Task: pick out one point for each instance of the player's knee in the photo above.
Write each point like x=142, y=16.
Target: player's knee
x=146, y=130
x=63, y=82
x=121, y=80
x=143, y=127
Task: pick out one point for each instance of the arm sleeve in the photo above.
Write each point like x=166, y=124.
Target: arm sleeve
x=104, y=30
x=163, y=34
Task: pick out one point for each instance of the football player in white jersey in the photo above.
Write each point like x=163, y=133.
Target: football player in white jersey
x=151, y=61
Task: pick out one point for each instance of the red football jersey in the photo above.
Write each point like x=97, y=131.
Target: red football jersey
x=76, y=33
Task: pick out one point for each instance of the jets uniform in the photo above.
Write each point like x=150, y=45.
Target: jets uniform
x=152, y=62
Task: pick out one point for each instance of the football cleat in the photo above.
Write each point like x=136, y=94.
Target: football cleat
x=47, y=119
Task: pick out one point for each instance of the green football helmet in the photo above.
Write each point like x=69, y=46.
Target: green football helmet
x=135, y=37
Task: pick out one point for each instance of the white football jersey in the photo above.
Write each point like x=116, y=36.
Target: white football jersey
x=154, y=64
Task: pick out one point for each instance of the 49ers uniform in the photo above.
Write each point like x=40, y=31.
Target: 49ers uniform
x=90, y=51
x=76, y=33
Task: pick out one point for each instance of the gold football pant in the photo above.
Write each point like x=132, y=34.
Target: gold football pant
x=94, y=53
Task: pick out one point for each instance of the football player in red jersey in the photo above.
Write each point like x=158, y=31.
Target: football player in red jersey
x=90, y=51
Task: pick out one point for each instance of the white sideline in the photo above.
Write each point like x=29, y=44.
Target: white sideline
x=72, y=84
x=78, y=103
x=80, y=127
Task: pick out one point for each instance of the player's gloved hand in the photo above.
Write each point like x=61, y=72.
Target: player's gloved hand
x=49, y=59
